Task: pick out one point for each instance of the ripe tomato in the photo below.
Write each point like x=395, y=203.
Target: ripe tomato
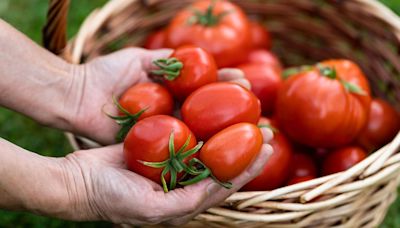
x=320, y=108
x=342, y=159
x=277, y=169
x=148, y=140
x=265, y=82
x=259, y=36
x=220, y=27
x=264, y=56
x=155, y=40
x=216, y=106
x=296, y=180
x=151, y=97
x=197, y=69
x=230, y=151
x=302, y=165
x=383, y=125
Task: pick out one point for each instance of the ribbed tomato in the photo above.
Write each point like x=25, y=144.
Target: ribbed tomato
x=216, y=106
x=325, y=106
x=229, y=152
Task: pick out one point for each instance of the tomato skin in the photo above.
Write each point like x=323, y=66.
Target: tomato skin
x=229, y=152
x=260, y=37
x=277, y=169
x=318, y=111
x=383, y=125
x=225, y=40
x=155, y=40
x=265, y=82
x=342, y=159
x=216, y=106
x=148, y=141
x=264, y=56
x=199, y=69
x=302, y=165
x=296, y=180
x=148, y=95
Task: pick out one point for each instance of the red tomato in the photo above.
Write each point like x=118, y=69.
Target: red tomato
x=148, y=141
x=198, y=69
x=260, y=37
x=265, y=82
x=316, y=109
x=302, y=165
x=383, y=125
x=264, y=56
x=229, y=152
x=296, y=180
x=220, y=27
x=276, y=172
x=155, y=40
x=216, y=106
x=342, y=159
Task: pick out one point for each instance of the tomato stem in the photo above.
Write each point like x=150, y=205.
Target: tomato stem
x=326, y=71
x=170, y=68
x=287, y=73
x=207, y=18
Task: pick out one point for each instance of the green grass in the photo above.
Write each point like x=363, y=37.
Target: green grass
x=28, y=16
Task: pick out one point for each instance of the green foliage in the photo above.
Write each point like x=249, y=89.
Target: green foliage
x=29, y=17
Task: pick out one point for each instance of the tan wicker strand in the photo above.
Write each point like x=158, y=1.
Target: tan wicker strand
x=362, y=30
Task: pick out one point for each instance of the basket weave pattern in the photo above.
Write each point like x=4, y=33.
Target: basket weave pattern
x=304, y=31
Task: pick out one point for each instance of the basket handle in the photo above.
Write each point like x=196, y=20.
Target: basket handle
x=55, y=29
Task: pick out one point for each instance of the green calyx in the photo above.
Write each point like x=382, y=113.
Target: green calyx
x=273, y=129
x=330, y=72
x=169, y=68
x=287, y=73
x=207, y=18
x=193, y=172
x=126, y=120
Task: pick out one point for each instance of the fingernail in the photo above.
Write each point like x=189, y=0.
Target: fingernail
x=212, y=188
x=267, y=133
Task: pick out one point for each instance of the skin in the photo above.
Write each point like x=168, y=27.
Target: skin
x=150, y=96
x=199, y=69
x=225, y=40
x=88, y=184
x=383, y=125
x=342, y=159
x=219, y=105
x=327, y=114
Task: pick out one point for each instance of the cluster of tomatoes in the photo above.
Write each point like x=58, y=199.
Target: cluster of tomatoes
x=324, y=117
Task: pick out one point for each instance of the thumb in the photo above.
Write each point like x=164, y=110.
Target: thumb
x=152, y=55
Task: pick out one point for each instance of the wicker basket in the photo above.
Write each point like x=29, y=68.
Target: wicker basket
x=304, y=31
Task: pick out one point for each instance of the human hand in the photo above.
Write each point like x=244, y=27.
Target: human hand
x=102, y=189
x=95, y=83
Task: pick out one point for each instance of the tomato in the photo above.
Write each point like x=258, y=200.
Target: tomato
x=147, y=141
x=229, y=152
x=265, y=82
x=220, y=27
x=155, y=40
x=260, y=37
x=302, y=165
x=198, y=69
x=264, y=56
x=216, y=106
x=296, y=180
x=342, y=159
x=383, y=125
x=148, y=96
x=277, y=169
x=320, y=108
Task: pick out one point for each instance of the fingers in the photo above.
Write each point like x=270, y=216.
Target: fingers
x=267, y=133
x=233, y=75
x=151, y=55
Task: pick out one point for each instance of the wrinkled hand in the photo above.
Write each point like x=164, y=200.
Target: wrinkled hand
x=102, y=189
x=96, y=82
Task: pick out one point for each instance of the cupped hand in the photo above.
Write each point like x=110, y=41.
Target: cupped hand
x=101, y=188
x=96, y=82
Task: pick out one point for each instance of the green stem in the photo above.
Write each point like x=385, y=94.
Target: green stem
x=170, y=68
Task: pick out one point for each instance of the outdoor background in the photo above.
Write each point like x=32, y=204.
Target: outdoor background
x=28, y=16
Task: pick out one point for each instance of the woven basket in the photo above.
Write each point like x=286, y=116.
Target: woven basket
x=304, y=31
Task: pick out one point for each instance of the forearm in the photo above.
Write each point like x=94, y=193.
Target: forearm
x=33, y=81
x=30, y=182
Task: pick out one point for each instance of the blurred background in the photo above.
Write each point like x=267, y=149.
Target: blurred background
x=28, y=16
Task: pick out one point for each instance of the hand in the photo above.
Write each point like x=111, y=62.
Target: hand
x=104, y=190
x=96, y=82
